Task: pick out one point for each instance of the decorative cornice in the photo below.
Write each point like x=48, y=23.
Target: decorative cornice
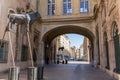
x=88, y=18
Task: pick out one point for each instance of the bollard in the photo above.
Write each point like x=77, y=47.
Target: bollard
x=14, y=73
x=32, y=73
x=40, y=72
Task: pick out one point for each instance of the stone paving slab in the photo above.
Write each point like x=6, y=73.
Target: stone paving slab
x=70, y=71
x=74, y=72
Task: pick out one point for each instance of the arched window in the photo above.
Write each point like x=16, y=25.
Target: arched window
x=51, y=7
x=115, y=30
x=97, y=36
x=84, y=6
x=116, y=47
x=106, y=51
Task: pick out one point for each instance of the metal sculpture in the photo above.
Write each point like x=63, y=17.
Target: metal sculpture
x=28, y=20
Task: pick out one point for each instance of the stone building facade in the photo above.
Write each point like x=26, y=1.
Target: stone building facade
x=98, y=20
x=73, y=52
x=108, y=34
x=60, y=45
x=77, y=54
x=81, y=51
x=86, y=46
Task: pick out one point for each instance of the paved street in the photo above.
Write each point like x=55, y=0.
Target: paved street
x=74, y=72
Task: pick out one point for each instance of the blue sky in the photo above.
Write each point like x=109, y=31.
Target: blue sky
x=75, y=39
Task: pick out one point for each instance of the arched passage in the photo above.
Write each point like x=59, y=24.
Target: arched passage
x=51, y=34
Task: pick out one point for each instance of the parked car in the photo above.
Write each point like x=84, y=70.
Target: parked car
x=71, y=59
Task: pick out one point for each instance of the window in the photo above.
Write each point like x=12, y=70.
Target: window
x=98, y=44
x=67, y=8
x=51, y=7
x=115, y=31
x=84, y=6
x=24, y=53
x=3, y=51
x=106, y=51
x=116, y=47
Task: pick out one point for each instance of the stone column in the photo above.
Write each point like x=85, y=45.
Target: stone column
x=32, y=73
x=111, y=54
x=59, y=6
x=75, y=6
x=14, y=73
x=95, y=55
x=40, y=56
x=40, y=61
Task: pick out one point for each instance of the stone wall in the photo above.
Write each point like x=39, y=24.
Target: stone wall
x=108, y=12
x=47, y=23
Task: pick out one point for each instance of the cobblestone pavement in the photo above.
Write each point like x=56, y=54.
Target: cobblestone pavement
x=69, y=71
x=74, y=72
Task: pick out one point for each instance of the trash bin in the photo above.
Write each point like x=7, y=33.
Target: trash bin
x=40, y=72
x=32, y=73
x=14, y=73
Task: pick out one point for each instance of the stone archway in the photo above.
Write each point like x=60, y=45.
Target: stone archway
x=52, y=33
